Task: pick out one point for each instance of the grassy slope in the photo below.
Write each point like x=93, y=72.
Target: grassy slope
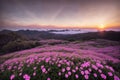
x=83, y=51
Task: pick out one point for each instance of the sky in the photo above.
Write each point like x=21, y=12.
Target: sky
x=20, y=14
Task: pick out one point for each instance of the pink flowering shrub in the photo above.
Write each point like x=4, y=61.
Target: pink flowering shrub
x=57, y=68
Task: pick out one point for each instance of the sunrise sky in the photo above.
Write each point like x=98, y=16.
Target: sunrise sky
x=59, y=13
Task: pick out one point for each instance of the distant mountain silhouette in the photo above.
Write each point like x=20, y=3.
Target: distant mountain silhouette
x=40, y=35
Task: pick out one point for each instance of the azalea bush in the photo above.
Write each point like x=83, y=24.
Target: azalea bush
x=57, y=68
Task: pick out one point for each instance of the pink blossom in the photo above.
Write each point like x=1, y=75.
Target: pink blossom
x=59, y=73
x=47, y=59
x=99, y=65
x=10, y=67
x=100, y=71
x=69, y=73
x=116, y=78
x=48, y=69
x=34, y=68
x=85, y=64
x=20, y=74
x=95, y=75
x=68, y=68
x=76, y=67
x=48, y=79
x=73, y=70
x=43, y=70
x=12, y=77
x=34, y=73
x=63, y=69
x=110, y=74
x=90, y=69
x=82, y=72
x=81, y=68
x=103, y=76
x=68, y=63
x=86, y=76
x=66, y=75
x=86, y=72
x=46, y=72
x=76, y=76
x=111, y=69
x=26, y=77
x=59, y=65
x=42, y=66
x=94, y=67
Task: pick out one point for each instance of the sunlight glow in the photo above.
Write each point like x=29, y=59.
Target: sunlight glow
x=101, y=27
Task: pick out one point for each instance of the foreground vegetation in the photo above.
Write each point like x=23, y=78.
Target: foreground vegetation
x=57, y=68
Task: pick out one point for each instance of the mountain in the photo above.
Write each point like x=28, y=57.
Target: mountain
x=41, y=35
x=38, y=35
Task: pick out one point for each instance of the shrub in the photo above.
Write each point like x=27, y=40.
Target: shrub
x=19, y=45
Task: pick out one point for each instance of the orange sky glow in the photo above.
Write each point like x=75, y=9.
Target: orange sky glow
x=60, y=14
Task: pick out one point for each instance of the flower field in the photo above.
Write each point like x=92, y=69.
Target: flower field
x=58, y=62
x=57, y=68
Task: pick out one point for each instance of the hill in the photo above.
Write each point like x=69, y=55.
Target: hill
x=11, y=41
x=64, y=60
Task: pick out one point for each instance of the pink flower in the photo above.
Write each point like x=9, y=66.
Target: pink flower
x=10, y=67
x=116, y=78
x=34, y=68
x=68, y=68
x=12, y=77
x=82, y=72
x=26, y=77
x=47, y=60
x=110, y=74
x=43, y=70
x=76, y=68
x=63, y=69
x=66, y=75
x=86, y=72
x=59, y=65
x=67, y=63
x=103, y=76
x=48, y=69
x=20, y=74
x=111, y=69
x=59, y=73
x=42, y=66
x=94, y=67
x=85, y=64
x=73, y=70
x=100, y=71
x=81, y=68
x=48, y=79
x=76, y=76
x=34, y=73
x=86, y=76
x=46, y=72
x=69, y=73
x=99, y=65
x=95, y=75
x=90, y=70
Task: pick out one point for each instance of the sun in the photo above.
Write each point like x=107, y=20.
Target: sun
x=101, y=27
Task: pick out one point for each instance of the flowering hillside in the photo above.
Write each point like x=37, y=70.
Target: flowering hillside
x=63, y=61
